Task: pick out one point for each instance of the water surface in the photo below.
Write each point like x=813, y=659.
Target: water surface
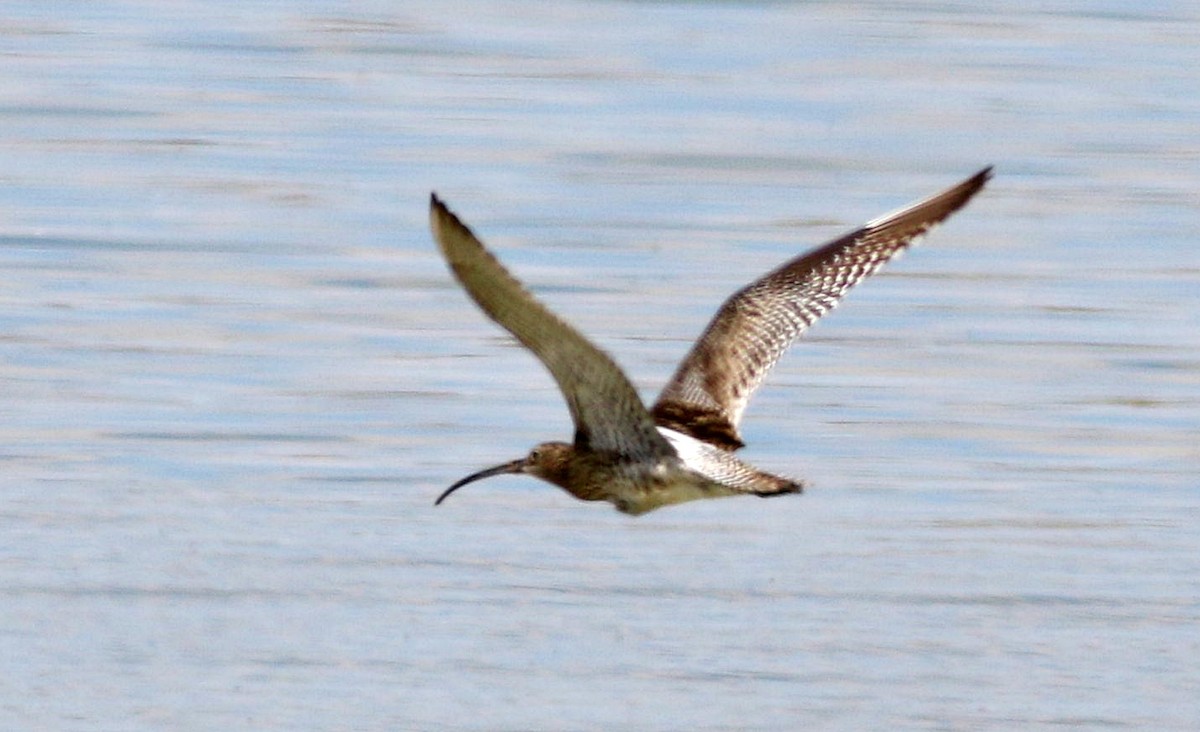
x=235, y=372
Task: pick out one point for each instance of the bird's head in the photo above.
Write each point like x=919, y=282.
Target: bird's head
x=549, y=461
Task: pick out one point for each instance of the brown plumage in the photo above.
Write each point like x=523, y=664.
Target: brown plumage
x=681, y=449
x=709, y=391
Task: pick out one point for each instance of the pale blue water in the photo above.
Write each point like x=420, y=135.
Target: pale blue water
x=235, y=372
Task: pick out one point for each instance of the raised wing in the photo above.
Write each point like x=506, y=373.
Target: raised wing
x=608, y=414
x=709, y=391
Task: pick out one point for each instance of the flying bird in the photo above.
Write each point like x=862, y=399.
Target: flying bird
x=682, y=447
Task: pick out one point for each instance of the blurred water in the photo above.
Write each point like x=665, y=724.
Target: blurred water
x=235, y=372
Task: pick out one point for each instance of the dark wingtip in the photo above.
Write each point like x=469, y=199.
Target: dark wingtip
x=974, y=184
x=971, y=185
x=938, y=207
x=441, y=215
x=977, y=181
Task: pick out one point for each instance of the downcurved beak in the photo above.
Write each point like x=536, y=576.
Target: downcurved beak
x=516, y=466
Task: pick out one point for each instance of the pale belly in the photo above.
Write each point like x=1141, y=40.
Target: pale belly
x=698, y=472
x=689, y=488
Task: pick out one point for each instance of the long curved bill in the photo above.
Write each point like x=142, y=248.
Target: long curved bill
x=515, y=466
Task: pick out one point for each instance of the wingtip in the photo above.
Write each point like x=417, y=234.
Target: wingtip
x=440, y=216
x=957, y=196
x=976, y=182
x=934, y=209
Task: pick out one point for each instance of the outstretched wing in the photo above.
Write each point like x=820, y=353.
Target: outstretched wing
x=709, y=391
x=608, y=414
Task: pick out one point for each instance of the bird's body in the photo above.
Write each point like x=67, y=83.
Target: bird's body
x=680, y=449
x=635, y=486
